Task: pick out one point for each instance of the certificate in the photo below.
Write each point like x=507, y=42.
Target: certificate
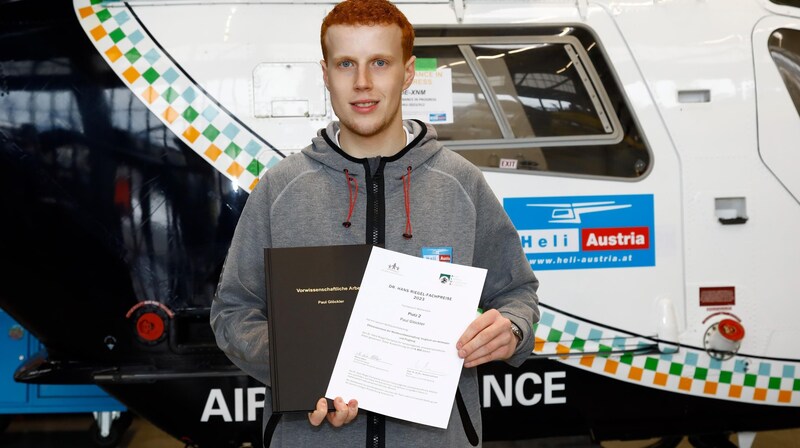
x=398, y=356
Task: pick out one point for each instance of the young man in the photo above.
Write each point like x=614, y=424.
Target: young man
x=372, y=177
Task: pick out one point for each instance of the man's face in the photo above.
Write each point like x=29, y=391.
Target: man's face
x=366, y=75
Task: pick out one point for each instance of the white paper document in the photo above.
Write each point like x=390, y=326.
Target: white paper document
x=398, y=356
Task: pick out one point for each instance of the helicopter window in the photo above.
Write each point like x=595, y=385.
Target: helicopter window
x=472, y=117
x=784, y=47
x=538, y=99
x=546, y=100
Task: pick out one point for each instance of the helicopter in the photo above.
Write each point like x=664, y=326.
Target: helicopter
x=643, y=150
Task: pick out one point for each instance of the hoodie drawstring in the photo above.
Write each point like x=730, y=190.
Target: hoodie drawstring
x=352, y=196
x=407, y=198
x=352, y=185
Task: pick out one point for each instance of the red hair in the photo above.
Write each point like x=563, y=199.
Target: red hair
x=368, y=13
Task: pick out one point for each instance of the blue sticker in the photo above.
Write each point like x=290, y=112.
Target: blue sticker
x=438, y=117
x=444, y=254
x=585, y=232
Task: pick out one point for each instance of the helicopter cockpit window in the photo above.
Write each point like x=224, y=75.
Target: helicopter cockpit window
x=472, y=118
x=537, y=99
x=784, y=47
x=534, y=99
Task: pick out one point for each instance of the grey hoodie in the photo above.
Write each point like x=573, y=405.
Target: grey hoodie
x=304, y=200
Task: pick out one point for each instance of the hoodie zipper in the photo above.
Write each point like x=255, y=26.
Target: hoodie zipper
x=376, y=235
x=376, y=229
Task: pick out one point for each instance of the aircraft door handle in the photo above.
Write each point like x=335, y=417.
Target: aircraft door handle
x=729, y=221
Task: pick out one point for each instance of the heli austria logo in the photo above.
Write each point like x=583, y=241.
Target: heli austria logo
x=585, y=232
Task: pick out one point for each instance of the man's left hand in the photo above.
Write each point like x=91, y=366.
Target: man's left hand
x=487, y=338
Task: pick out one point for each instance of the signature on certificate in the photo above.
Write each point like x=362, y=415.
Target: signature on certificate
x=370, y=360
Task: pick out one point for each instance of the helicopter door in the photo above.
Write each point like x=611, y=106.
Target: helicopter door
x=776, y=53
x=541, y=111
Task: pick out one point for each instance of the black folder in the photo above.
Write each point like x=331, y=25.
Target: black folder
x=310, y=295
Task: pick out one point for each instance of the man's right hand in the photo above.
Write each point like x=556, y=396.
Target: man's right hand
x=344, y=413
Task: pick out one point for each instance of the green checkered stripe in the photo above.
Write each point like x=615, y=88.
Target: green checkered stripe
x=170, y=95
x=608, y=352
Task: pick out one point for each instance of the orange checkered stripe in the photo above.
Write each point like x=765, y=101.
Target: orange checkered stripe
x=689, y=371
x=168, y=93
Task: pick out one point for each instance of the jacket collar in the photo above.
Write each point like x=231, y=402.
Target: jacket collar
x=423, y=146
